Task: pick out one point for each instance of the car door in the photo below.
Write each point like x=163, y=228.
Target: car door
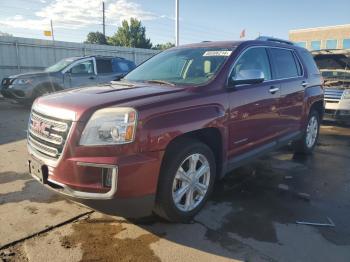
x=82, y=73
x=253, y=107
x=288, y=73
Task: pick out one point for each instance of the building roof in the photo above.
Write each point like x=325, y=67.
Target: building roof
x=319, y=28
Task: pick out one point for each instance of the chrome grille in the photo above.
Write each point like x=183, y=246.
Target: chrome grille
x=333, y=94
x=47, y=135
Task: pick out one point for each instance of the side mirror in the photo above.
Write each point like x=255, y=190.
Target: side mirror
x=245, y=77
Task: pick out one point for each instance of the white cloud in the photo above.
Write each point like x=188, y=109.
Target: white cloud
x=73, y=14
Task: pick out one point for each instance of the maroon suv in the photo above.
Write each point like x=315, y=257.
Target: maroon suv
x=158, y=139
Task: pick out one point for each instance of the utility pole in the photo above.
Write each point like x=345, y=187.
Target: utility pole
x=53, y=41
x=52, y=34
x=177, y=40
x=104, y=18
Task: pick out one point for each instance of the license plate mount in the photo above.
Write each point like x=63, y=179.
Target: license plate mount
x=36, y=170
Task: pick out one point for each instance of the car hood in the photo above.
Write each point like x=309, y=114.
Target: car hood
x=85, y=100
x=332, y=59
x=31, y=75
x=334, y=66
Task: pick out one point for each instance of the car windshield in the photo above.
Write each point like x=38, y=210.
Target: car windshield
x=187, y=66
x=60, y=65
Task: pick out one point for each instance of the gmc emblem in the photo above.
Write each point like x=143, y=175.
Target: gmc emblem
x=41, y=127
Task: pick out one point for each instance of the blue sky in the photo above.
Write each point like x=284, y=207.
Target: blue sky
x=199, y=19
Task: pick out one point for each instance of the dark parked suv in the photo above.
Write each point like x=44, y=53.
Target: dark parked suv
x=158, y=139
x=67, y=73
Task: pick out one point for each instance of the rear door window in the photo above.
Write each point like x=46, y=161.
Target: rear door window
x=284, y=63
x=121, y=66
x=104, y=66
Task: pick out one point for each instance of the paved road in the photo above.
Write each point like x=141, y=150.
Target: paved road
x=250, y=217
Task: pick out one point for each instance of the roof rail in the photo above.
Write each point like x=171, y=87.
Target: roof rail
x=273, y=39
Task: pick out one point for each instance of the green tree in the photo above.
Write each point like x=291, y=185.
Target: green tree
x=163, y=46
x=131, y=34
x=96, y=38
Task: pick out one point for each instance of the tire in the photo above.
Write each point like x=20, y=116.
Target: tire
x=308, y=141
x=170, y=205
x=40, y=91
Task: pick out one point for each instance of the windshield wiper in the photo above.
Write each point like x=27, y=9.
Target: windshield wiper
x=159, y=82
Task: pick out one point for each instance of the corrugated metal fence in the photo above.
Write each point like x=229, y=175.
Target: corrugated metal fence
x=18, y=55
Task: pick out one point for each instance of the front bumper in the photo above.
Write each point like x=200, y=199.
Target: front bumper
x=16, y=93
x=131, y=176
x=337, y=111
x=69, y=191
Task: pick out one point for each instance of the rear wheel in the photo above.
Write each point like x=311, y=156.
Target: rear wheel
x=186, y=180
x=308, y=141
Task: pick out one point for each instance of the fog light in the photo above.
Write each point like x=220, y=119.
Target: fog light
x=107, y=177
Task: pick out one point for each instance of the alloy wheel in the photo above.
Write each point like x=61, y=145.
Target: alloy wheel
x=311, y=132
x=191, y=182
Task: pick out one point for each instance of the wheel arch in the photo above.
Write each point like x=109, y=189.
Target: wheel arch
x=319, y=107
x=210, y=136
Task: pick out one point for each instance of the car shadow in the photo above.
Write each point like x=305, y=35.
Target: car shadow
x=14, y=118
x=250, y=202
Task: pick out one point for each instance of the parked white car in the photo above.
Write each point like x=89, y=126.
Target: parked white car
x=335, y=69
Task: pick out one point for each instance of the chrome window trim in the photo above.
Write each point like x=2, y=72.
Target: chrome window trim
x=266, y=46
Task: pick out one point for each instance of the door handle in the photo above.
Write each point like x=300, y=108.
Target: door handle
x=273, y=89
x=304, y=84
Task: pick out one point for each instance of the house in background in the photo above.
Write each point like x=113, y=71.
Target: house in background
x=328, y=37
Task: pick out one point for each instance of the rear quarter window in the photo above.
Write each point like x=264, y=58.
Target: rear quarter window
x=309, y=62
x=104, y=66
x=120, y=66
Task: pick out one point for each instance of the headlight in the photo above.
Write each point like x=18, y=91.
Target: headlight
x=110, y=126
x=346, y=94
x=22, y=81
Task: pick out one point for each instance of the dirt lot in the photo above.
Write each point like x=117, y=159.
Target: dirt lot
x=251, y=216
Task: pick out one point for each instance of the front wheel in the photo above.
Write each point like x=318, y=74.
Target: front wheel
x=309, y=139
x=186, y=181
x=41, y=91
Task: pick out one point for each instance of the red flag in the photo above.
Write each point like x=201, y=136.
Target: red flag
x=242, y=35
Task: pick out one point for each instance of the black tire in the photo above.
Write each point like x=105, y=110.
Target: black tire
x=40, y=91
x=301, y=146
x=176, y=154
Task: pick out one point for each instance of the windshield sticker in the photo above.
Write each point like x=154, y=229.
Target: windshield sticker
x=217, y=53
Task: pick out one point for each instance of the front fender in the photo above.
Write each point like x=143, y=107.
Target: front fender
x=161, y=129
